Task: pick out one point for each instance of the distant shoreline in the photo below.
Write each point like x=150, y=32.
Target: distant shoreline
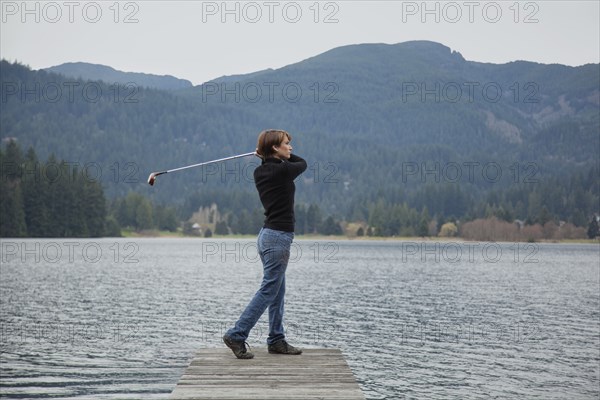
x=338, y=238
x=166, y=234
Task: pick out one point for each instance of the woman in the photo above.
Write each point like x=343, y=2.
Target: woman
x=274, y=180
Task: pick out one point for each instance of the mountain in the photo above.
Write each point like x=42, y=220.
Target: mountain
x=97, y=72
x=236, y=78
x=411, y=122
x=419, y=93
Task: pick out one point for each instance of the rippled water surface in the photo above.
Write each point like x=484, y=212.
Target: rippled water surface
x=121, y=318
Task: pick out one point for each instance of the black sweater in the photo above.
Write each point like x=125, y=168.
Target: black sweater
x=274, y=180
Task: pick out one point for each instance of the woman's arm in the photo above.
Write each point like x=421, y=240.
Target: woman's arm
x=295, y=166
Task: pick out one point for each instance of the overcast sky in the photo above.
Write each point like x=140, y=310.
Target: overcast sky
x=202, y=40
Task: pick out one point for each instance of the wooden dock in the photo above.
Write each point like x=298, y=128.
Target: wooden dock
x=315, y=374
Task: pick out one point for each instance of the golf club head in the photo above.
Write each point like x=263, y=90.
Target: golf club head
x=151, y=179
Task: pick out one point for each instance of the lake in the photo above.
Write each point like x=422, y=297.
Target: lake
x=121, y=318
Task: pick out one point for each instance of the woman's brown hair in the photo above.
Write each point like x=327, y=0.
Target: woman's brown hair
x=269, y=138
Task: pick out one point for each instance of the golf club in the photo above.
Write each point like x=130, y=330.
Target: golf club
x=153, y=175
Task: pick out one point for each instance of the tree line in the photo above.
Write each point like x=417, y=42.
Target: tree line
x=47, y=199
x=54, y=198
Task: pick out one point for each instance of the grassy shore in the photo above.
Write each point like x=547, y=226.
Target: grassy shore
x=178, y=234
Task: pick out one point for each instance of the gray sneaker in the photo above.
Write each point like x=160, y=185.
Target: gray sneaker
x=282, y=347
x=238, y=348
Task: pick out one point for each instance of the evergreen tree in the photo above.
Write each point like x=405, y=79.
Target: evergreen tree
x=221, y=228
x=112, y=227
x=74, y=187
x=313, y=219
x=300, y=215
x=166, y=218
x=143, y=215
x=12, y=221
x=544, y=216
x=94, y=210
x=330, y=227
x=423, y=227
x=593, y=228
x=244, y=224
x=59, y=198
x=35, y=190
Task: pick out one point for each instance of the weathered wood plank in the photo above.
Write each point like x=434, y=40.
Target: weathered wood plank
x=215, y=374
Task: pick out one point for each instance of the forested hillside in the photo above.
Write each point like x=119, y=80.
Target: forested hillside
x=58, y=198
x=382, y=127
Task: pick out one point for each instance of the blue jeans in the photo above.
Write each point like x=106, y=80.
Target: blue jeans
x=274, y=252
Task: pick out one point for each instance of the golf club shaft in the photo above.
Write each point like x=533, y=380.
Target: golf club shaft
x=208, y=162
x=152, y=177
